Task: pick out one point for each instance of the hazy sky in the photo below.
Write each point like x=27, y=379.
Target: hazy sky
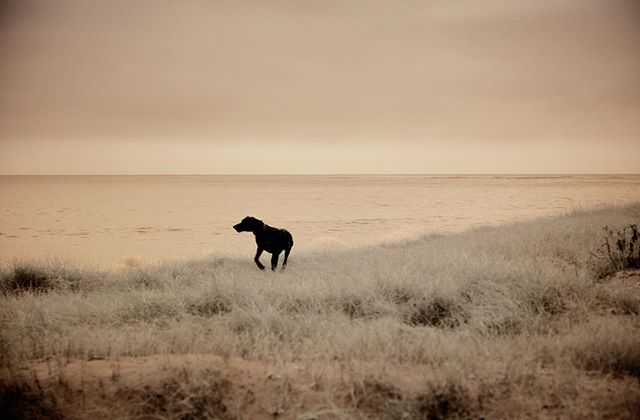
x=397, y=86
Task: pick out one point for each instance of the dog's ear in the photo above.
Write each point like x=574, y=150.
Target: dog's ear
x=256, y=223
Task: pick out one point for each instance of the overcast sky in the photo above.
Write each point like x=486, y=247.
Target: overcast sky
x=403, y=86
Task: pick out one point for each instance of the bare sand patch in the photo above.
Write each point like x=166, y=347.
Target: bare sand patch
x=190, y=385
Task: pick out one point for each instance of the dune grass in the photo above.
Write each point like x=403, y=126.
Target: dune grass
x=524, y=318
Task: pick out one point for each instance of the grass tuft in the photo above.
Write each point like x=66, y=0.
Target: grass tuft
x=181, y=396
x=27, y=278
x=378, y=398
x=449, y=401
x=438, y=312
x=619, y=250
x=381, y=399
x=609, y=347
x=209, y=307
x=41, y=278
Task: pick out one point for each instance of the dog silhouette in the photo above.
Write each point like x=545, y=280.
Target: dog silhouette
x=268, y=238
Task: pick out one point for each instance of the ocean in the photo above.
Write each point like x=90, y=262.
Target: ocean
x=107, y=221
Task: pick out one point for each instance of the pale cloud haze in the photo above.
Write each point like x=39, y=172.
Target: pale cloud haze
x=499, y=86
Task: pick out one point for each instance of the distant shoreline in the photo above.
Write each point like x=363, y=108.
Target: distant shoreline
x=434, y=175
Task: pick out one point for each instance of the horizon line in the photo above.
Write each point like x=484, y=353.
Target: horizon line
x=337, y=174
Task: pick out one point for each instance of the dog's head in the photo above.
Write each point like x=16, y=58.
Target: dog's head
x=249, y=224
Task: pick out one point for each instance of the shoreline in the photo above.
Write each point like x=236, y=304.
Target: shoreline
x=132, y=261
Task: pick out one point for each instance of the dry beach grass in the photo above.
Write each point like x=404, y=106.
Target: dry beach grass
x=526, y=320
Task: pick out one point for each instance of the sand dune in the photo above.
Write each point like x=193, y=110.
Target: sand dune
x=528, y=320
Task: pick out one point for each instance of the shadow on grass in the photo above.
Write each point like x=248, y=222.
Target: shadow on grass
x=181, y=396
x=19, y=400
x=383, y=400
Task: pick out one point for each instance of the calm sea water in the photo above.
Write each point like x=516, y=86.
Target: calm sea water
x=115, y=220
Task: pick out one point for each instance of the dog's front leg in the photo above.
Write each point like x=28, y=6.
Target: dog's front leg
x=257, y=259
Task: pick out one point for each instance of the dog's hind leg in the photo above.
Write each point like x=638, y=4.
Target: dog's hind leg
x=274, y=260
x=286, y=255
x=257, y=259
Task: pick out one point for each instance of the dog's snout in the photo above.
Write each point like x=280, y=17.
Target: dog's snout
x=237, y=227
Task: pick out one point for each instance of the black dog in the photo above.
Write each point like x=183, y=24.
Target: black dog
x=269, y=239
